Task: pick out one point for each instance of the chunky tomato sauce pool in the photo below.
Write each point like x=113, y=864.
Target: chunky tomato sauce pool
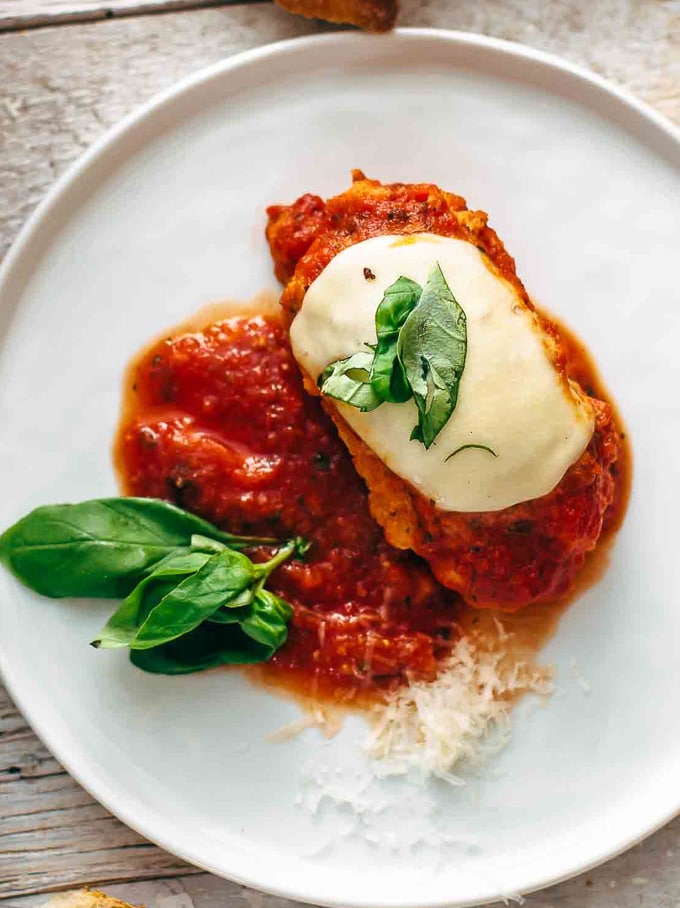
x=217, y=421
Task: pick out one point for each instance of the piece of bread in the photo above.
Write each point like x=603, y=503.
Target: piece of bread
x=372, y=15
x=85, y=898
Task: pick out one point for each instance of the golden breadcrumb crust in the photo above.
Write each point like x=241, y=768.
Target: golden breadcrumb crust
x=505, y=559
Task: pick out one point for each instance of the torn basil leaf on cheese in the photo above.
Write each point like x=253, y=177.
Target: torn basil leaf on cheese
x=387, y=377
x=420, y=353
x=349, y=380
x=432, y=347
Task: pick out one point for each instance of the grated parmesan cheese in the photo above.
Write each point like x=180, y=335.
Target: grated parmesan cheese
x=463, y=716
x=328, y=720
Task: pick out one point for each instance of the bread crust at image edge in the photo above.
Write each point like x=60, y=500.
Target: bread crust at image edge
x=372, y=15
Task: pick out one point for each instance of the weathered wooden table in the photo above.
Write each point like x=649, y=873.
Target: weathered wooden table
x=68, y=70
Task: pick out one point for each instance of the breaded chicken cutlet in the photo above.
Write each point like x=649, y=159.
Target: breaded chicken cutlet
x=505, y=558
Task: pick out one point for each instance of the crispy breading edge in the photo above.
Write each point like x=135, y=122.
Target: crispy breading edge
x=393, y=502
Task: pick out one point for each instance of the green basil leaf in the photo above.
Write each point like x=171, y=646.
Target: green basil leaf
x=235, y=610
x=387, y=376
x=100, y=548
x=200, y=543
x=208, y=646
x=123, y=625
x=432, y=348
x=222, y=577
x=229, y=615
x=192, y=601
x=268, y=620
x=348, y=380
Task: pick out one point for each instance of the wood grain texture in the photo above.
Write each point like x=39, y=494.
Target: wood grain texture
x=21, y=14
x=60, y=88
x=45, y=817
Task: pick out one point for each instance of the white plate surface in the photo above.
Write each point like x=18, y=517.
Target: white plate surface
x=166, y=214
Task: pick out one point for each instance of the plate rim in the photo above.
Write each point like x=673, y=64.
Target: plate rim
x=647, y=117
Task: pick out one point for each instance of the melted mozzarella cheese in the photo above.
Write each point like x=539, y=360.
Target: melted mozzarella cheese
x=511, y=397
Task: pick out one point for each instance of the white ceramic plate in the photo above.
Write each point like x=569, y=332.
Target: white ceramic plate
x=166, y=214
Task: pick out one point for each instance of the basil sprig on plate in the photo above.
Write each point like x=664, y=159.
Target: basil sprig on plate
x=420, y=353
x=192, y=599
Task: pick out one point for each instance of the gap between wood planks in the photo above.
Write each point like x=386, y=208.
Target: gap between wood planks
x=53, y=836
x=18, y=15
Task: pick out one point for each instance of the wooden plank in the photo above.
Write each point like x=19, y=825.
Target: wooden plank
x=53, y=835
x=23, y=14
x=60, y=89
x=645, y=877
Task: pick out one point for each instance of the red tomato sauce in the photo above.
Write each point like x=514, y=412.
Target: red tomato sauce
x=216, y=421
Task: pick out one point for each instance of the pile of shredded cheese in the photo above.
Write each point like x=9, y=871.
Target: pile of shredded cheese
x=463, y=716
